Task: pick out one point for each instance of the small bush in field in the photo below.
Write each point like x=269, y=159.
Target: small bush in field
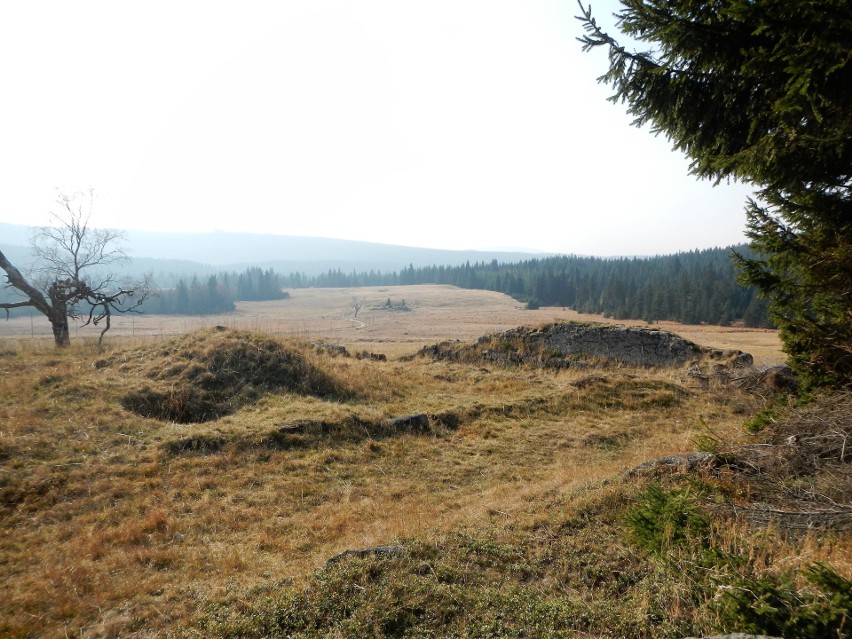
x=776, y=605
x=665, y=519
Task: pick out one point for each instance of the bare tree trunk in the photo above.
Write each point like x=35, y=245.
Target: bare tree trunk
x=60, y=330
x=58, y=316
x=106, y=327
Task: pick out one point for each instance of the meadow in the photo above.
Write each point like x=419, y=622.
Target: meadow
x=436, y=313
x=194, y=477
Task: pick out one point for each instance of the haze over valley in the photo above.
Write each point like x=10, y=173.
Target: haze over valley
x=207, y=252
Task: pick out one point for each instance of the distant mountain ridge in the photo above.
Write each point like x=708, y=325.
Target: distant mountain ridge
x=310, y=255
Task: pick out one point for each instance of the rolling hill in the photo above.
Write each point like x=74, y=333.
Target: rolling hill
x=198, y=252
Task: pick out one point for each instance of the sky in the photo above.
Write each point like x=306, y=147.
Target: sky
x=458, y=124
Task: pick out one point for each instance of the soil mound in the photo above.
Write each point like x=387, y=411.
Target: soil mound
x=574, y=344
x=213, y=372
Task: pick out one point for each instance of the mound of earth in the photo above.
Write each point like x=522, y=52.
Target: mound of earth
x=213, y=372
x=574, y=344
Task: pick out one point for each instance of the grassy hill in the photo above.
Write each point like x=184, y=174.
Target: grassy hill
x=197, y=486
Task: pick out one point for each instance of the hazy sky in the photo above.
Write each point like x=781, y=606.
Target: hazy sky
x=467, y=124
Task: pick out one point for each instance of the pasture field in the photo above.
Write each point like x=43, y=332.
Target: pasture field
x=436, y=313
x=194, y=477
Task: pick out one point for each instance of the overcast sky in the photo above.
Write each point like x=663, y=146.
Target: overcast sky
x=464, y=124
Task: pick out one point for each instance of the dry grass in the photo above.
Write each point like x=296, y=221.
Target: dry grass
x=436, y=313
x=798, y=468
x=117, y=525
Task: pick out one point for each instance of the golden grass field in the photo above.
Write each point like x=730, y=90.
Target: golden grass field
x=119, y=525
x=437, y=313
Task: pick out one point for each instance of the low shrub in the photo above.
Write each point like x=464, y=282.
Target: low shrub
x=664, y=519
x=775, y=605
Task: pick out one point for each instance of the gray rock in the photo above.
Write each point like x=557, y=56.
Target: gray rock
x=572, y=344
x=634, y=346
x=384, y=552
x=684, y=462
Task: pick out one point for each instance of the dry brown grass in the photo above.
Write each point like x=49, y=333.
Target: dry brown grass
x=437, y=313
x=112, y=525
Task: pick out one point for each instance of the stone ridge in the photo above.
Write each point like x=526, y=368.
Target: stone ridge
x=572, y=344
x=632, y=346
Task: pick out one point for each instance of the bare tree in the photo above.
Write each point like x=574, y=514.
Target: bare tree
x=70, y=278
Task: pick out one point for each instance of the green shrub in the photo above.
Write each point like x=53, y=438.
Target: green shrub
x=774, y=605
x=664, y=519
x=761, y=420
x=668, y=524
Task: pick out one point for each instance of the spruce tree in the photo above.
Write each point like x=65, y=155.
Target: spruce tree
x=760, y=91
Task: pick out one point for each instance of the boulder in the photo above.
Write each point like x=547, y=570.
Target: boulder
x=383, y=552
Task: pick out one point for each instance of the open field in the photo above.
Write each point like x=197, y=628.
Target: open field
x=437, y=313
x=195, y=486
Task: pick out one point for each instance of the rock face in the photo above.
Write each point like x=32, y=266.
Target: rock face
x=573, y=345
x=633, y=346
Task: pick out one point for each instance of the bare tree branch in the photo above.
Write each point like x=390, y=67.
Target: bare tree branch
x=14, y=279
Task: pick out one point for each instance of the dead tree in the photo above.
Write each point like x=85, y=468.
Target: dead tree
x=69, y=280
x=357, y=304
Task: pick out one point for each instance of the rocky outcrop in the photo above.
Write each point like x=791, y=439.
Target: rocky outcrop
x=383, y=552
x=685, y=462
x=634, y=346
x=573, y=345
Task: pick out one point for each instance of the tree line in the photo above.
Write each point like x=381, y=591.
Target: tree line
x=217, y=293
x=690, y=287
